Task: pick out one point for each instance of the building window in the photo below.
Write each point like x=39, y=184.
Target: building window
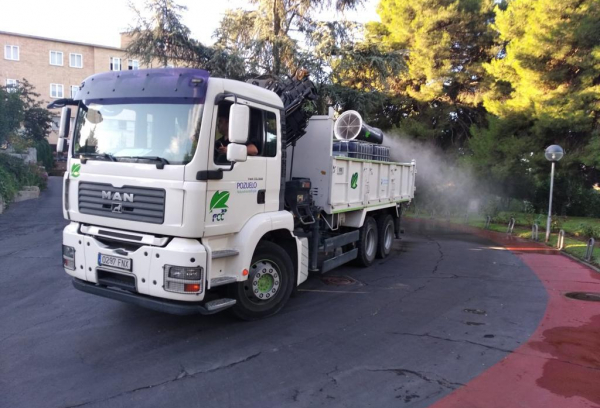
x=56, y=58
x=74, y=89
x=115, y=64
x=134, y=64
x=56, y=91
x=76, y=60
x=11, y=85
x=11, y=52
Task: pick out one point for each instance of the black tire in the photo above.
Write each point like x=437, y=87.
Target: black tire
x=386, y=233
x=367, y=245
x=268, y=259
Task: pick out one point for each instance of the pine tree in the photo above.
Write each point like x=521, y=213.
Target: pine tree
x=269, y=37
x=544, y=88
x=160, y=36
x=445, y=43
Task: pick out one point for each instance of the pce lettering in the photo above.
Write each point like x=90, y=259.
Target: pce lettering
x=219, y=216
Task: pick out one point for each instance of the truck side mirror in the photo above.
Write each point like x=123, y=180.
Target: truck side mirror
x=65, y=123
x=239, y=124
x=237, y=153
x=60, y=145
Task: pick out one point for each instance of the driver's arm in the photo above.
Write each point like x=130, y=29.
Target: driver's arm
x=252, y=150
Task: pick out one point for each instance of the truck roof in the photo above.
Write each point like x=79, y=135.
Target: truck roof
x=174, y=85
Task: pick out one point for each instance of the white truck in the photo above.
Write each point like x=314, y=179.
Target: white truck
x=161, y=217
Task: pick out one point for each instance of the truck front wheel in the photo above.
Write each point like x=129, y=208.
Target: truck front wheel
x=269, y=285
x=367, y=245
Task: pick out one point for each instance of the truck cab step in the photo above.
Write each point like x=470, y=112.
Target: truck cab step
x=219, y=304
x=225, y=280
x=224, y=253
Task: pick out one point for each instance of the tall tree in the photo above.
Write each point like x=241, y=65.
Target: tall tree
x=160, y=36
x=544, y=89
x=22, y=115
x=280, y=36
x=269, y=36
x=11, y=113
x=445, y=43
x=37, y=120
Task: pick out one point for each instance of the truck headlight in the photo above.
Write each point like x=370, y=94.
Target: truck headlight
x=68, y=257
x=183, y=279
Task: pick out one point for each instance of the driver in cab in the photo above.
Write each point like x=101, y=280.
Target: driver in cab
x=222, y=143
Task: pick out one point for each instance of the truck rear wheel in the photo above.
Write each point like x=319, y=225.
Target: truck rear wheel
x=367, y=245
x=385, y=226
x=269, y=285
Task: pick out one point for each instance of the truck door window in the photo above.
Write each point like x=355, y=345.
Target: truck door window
x=261, y=123
x=270, y=145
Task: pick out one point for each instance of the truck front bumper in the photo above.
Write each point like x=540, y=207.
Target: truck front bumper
x=147, y=264
x=160, y=305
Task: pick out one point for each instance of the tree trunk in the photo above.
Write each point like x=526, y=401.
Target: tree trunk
x=276, y=32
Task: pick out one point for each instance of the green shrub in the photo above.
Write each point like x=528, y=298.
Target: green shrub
x=44, y=154
x=35, y=177
x=14, y=174
x=13, y=165
x=588, y=231
x=8, y=185
x=502, y=218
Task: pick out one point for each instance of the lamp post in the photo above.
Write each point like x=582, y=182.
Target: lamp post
x=553, y=153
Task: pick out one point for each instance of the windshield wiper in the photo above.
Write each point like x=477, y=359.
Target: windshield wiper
x=86, y=156
x=160, y=165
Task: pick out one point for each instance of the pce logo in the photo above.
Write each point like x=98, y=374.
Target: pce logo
x=219, y=202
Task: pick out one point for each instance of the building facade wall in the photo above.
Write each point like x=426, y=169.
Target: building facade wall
x=34, y=65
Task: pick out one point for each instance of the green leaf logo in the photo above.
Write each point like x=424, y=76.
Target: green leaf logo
x=75, y=170
x=354, y=181
x=219, y=200
x=367, y=134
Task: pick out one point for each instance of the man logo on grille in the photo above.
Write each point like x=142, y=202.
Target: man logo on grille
x=117, y=208
x=116, y=196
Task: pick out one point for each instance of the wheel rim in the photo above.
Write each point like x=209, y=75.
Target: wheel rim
x=370, y=247
x=264, y=282
x=388, y=237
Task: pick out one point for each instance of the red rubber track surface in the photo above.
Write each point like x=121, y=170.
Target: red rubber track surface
x=559, y=366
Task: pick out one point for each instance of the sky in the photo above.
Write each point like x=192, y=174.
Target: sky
x=101, y=21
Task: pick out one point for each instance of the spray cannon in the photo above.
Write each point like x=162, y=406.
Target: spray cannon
x=350, y=126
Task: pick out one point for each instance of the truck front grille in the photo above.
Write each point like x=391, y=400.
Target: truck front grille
x=126, y=203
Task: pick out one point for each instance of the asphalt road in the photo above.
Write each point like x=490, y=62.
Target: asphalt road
x=404, y=332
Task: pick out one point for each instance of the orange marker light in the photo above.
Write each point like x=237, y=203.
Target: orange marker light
x=245, y=272
x=192, y=287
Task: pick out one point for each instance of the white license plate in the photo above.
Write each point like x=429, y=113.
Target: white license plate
x=114, y=262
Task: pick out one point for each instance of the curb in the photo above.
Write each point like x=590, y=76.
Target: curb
x=581, y=261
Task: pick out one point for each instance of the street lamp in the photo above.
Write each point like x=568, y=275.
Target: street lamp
x=553, y=153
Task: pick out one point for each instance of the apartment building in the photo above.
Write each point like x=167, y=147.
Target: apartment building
x=56, y=67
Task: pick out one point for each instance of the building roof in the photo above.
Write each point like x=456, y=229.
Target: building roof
x=59, y=40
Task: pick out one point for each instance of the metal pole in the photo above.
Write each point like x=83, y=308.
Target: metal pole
x=550, y=205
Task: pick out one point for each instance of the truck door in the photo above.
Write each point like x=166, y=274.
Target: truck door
x=240, y=194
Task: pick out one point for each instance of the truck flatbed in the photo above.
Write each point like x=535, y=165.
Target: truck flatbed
x=343, y=184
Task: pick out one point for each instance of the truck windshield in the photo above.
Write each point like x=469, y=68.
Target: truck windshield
x=138, y=132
